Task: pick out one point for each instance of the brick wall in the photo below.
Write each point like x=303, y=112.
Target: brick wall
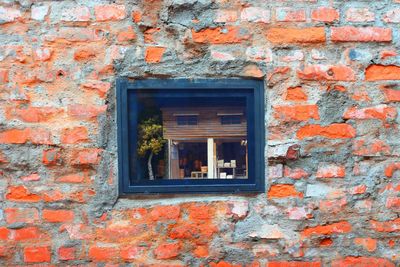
x=332, y=79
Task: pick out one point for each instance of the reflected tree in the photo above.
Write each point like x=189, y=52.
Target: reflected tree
x=150, y=141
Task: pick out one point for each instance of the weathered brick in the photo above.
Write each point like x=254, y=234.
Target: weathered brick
x=167, y=251
x=327, y=73
x=329, y=229
x=57, y=216
x=296, y=35
x=87, y=112
x=9, y=14
x=86, y=156
x=52, y=157
x=165, y=213
x=290, y=14
x=21, y=215
x=100, y=87
x=226, y=35
x=34, y=114
x=226, y=16
x=358, y=34
x=325, y=14
x=255, y=14
x=381, y=112
x=392, y=16
x=110, y=12
x=76, y=13
x=66, y=253
x=293, y=264
x=98, y=253
x=330, y=171
x=359, y=15
x=74, y=135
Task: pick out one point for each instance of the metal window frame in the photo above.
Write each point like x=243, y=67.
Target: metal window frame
x=127, y=128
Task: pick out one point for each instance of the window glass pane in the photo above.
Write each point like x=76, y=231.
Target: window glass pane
x=181, y=136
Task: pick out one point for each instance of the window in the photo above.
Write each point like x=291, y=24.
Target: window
x=231, y=119
x=182, y=136
x=186, y=119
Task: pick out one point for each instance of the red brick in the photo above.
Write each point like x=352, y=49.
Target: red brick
x=296, y=173
x=200, y=212
x=66, y=253
x=296, y=94
x=131, y=252
x=296, y=113
x=14, y=136
x=21, y=215
x=21, y=194
x=28, y=233
x=329, y=229
x=71, y=178
x=165, y=213
x=37, y=254
x=327, y=73
x=154, y=54
x=103, y=253
x=391, y=168
x=368, y=243
x=386, y=226
x=4, y=233
x=381, y=73
x=325, y=14
x=366, y=34
x=86, y=112
x=84, y=54
x=110, y=12
x=125, y=35
x=392, y=202
x=296, y=35
x=361, y=262
x=35, y=114
x=167, y=251
x=227, y=35
x=75, y=34
x=333, y=131
x=101, y=88
x=330, y=171
x=4, y=74
x=74, y=135
x=332, y=206
x=283, y=191
x=52, y=157
x=392, y=95
x=58, y=216
x=293, y=264
x=86, y=156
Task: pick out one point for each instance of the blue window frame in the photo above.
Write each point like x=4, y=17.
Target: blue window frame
x=199, y=155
